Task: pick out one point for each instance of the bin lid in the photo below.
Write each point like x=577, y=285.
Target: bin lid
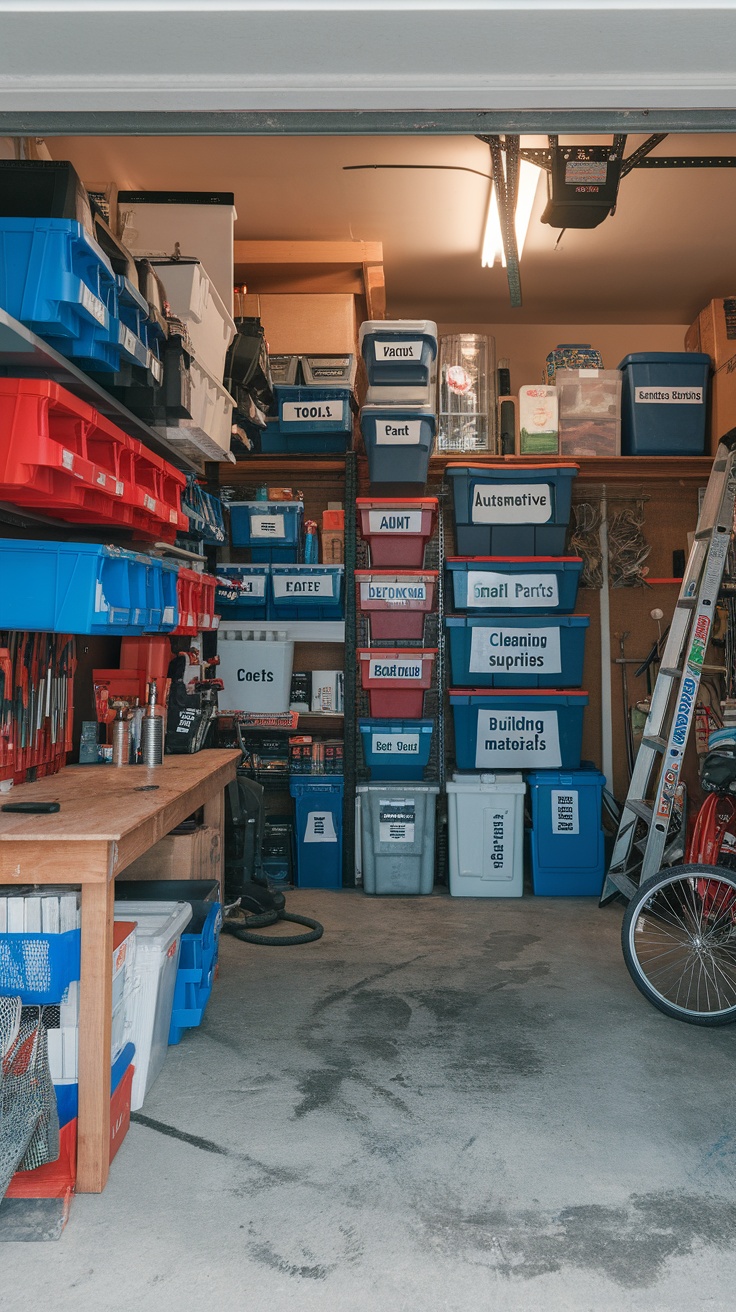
x=418, y=575
x=302, y=569
x=370, y=653
x=380, y=503
x=264, y=507
x=395, y=788
x=512, y=560
x=587, y=776
x=481, y=471
x=517, y=621
x=517, y=692
x=159, y=923
x=487, y=781
x=425, y=327
x=665, y=357
x=395, y=726
x=412, y=410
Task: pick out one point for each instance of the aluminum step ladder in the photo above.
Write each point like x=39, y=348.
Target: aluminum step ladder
x=672, y=710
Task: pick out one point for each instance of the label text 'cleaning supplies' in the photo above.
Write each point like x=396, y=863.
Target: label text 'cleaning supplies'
x=513, y=739
x=506, y=650
x=513, y=591
x=401, y=669
x=668, y=395
x=512, y=503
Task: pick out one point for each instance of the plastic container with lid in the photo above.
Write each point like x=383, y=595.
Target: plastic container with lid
x=664, y=404
x=511, y=510
x=195, y=300
x=397, y=529
x=318, y=811
x=398, y=353
x=396, y=602
x=567, y=838
x=396, y=837
x=524, y=729
x=517, y=651
x=467, y=393
x=272, y=529
x=590, y=412
x=399, y=441
x=396, y=679
x=485, y=818
x=396, y=749
x=158, y=943
x=307, y=592
x=496, y=585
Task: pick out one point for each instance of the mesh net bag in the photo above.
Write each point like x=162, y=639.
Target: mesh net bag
x=29, y=1122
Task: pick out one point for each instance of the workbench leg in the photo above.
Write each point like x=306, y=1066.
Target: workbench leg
x=213, y=815
x=95, y=1037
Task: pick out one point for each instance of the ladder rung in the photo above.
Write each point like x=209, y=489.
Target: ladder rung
x=687, y=603
x=654, y=741
x=670, y=673
x=644, y=810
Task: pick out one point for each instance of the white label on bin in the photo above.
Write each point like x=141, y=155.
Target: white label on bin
x=253, y=585
x=129, y=341
x=512, y=503
x=156, y=368
x=320, y=828
x=496, y=650
x=517, y=740
x=67, y=459
x=512, y=591
x=565, y=814
x=395, y=744
x=301, y=585
x=394, y=594
x=398, y=350
x=101, y=604
x=149, y=503
x=402, y=668
x=396, y=820
x=94, y=305
x=391, y=433
x=268, y=526
x=394, y=521
x=668, y=395
x=310, y=412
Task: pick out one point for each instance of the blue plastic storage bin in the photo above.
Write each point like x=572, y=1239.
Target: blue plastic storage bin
x=318, y=831
x=195, y=976
x=73, y=587
x=398, y=442
x=165, y=591
x=506, y=586
x=247, y=599
x=396, y=749
x=664, y=403
x=307, y=592
x=67, y=1095
x=517, y=651
x=519, y=730
x=132, y=312
x=56, y=280
x=567, y=839
x=275, y=442
x=38, y=968
x=511, y=510
x=314, y=409
x=272, y=529
x=398, y=352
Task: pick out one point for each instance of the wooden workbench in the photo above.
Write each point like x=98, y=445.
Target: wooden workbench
x=108, y=817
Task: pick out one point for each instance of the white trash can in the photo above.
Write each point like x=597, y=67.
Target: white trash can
x=256, y=670
x=485, y=815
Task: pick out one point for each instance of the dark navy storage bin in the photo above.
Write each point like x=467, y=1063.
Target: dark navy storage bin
x=531, y=651
x=311, y=420
x=55, y=279
x=72, y=587
x=318, y=808
x=247, y=598
x=197, y=963
x=274, y=441
x=67, y=1095
x=398, y=442
x=517, y=585
x=511, y=510
x=664, y=403
x=519, y=730
x=307, y=592
x=398, y=352
x=567, y=839
x=272, y=529
x=396, y=749
x=38, y=968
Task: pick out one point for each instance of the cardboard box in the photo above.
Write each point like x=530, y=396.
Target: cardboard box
x=333, y=546
x=305, y=324
x=714, y=331
x=723, y=402
x=181, y=856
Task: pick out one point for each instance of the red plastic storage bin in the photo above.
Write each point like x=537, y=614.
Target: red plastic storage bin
x=395, y=679
x=396, y=602
x=59, y=455
x=397, y=528
x=196, y=601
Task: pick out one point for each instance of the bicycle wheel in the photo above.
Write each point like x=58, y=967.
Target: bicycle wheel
x=679, y=943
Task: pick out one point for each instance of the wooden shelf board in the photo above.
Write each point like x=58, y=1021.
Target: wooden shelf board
x=596, y=469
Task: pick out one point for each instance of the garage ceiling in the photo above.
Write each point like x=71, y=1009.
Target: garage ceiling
x=668, y=249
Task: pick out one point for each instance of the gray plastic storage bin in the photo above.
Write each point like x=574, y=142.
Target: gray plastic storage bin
x=396, y=837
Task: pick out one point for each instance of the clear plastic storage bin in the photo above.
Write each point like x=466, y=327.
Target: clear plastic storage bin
x=589, y=411
x=467, y=393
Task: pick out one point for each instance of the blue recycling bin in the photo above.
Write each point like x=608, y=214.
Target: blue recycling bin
x=567, y=838
x=318, y=807
x=664, y=403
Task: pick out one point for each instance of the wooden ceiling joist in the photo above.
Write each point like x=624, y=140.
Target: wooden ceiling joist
x=355, y=267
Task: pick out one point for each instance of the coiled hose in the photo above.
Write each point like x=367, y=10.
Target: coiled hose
x=242, y=925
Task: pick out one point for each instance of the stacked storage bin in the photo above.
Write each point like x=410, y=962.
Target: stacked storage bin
x=398, y=421
x=314, y=401
x=395, y=844
x=516, y=657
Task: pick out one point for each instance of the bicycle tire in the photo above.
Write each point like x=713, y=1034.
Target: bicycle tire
x=679, y=943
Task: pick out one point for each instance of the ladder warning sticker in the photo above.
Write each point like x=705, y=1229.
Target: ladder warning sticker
x=396, y=820
x=565, y=812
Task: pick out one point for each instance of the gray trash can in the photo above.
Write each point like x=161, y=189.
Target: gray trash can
x=397, y=826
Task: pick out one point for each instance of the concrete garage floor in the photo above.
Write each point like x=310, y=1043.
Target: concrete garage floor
x=441, y=1106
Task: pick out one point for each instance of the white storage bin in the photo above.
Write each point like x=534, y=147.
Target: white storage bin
x=158, y=942
x=201, y=224
x=255, y=669
x=194, y=299
x=485, y=814
x=63, y=1043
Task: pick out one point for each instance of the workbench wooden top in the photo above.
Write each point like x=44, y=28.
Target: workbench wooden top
x=104, y=803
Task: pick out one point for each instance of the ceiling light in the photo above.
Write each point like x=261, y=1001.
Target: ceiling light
x=529, y=176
